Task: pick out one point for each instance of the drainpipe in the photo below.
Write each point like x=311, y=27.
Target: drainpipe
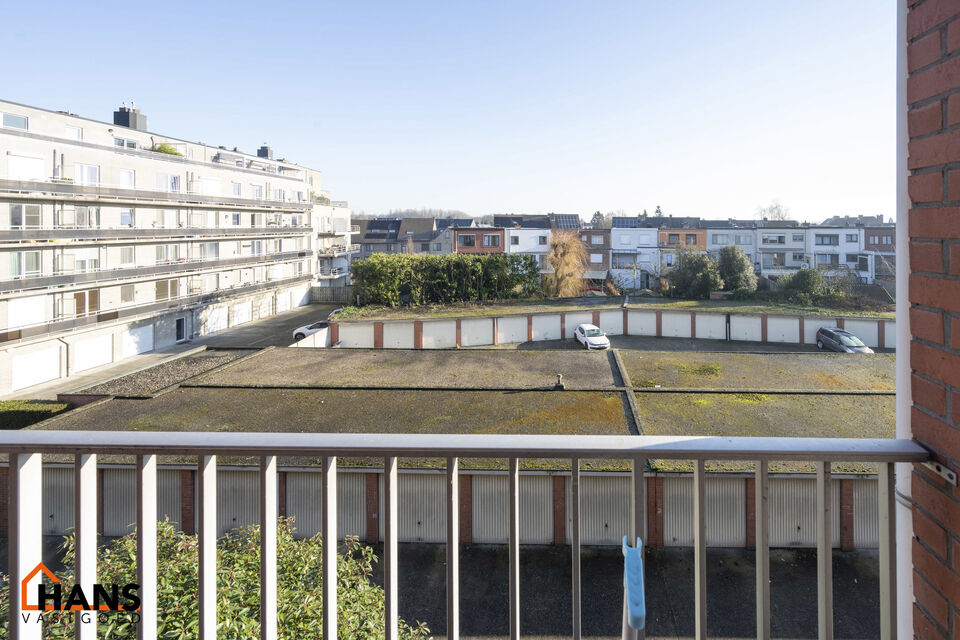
x=904, y=532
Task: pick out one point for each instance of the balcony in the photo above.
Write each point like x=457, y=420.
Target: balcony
x=331, y=273
x=337, y=250
x=43, y=234
x=26, y=513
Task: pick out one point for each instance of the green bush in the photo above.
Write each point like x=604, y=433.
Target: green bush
x=360, y=604
x=382, y=278
x=695, y=276
x=736, y=270
x=167, y=148
x=808, y=281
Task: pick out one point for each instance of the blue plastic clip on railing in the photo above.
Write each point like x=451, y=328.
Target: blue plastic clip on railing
x=633, y=584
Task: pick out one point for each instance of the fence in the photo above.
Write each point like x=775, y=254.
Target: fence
x=342, y=295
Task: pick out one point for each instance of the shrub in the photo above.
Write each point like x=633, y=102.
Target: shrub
x=808, y=281
x=426, y=279
x=695, y=276
x=736, y=270
x=360, y=605
x=166, y=147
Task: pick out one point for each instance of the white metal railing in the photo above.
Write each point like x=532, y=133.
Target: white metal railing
x=26, y=449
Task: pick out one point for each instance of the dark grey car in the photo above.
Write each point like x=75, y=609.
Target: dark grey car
x=840, y=340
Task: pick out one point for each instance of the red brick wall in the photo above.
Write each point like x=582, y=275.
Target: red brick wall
x=933, y=120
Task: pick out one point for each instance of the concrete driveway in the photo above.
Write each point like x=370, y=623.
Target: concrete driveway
x=652, y=343
x=274, y=331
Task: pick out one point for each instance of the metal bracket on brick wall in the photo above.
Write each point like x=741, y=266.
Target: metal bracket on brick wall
x=942, y=471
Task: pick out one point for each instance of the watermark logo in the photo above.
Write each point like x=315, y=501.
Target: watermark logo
x=54, y=597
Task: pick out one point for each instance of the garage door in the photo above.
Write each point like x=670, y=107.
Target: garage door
x=139, y=340
x=36, y=367
x=243, y=313
x=283, y=301
x=217, y=319
x=92, y=352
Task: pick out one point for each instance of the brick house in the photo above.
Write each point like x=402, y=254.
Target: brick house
x=473, y=240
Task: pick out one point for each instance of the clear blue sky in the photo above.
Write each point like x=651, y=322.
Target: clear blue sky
x=705, y=108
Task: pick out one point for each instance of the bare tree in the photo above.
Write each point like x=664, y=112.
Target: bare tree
x=568, y=258
x=773, y=211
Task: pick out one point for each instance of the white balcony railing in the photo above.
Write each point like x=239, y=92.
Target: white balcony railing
x=26, y=449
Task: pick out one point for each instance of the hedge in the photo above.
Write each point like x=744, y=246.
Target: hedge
x=393, y=279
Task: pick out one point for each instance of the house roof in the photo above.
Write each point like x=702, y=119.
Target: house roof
x=511, y=221
x=565, y=221
x=619, y=222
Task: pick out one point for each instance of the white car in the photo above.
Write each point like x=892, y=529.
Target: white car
x=308, y=330
x=591, y=337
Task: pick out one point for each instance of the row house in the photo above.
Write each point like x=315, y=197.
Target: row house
x=634, y=254
x=475, y=240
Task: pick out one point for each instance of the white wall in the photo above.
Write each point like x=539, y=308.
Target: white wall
x=712, y=326
x=546, y=327
x=476, y=331
x=511, y=329
x=783, y=329
x=745, y=328
x=397, y=335
x=439, y=334
x=642, y=323
x=675, y=324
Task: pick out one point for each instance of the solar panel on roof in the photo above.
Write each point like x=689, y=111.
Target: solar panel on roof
x=624, y=223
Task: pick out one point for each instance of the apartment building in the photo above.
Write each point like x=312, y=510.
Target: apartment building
x=335, y=248
x=782, y=248
x=118, y=240
x=837, y=250
x=634, y=254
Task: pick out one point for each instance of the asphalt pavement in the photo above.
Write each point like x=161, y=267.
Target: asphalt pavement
x=276, y=331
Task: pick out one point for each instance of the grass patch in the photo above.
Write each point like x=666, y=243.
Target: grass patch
x=749, y=398
x=702, y=370
x=16, y=414
x=756, y=308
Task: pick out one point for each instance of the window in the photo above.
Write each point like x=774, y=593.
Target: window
x=125, y=143
x=126, y=256
x=235, y=219
x=86, y=302
x=278, y=195
x=86, y=174
x=25, y=167
x=853, y=258
x=798, y=257
x=774, y=259
x=236, y=189
x=514, y=240
x=73, y=133
x=691, y=238
x=874, y=239
x=424, y=246
x=669, y=259
x=596, y=258
x=887, y=239
x=596, y=239
x=24, y=216
x=673, y=238
x=720, y=238
x=798, y=237
x=126, y=217
x=437, y=246
x=542, y=240
x=828, y=259
x=827, y=240
x=256, y=192
x=256, y=247
x=209, y=251
x=13, y=121
x=852, y=237
x=86, y=260
x=126, y=178
x=583, y=238
x=88, y=217
x=127, y=294
x=744, y=238
x=167, y=252
x=168, y=183
x=624, y=260
x=467, y=240
x=491, y=240
x=24, y=264
x=167, y=289
x=774, y=238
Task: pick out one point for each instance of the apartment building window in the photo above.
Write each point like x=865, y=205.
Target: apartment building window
x=774, y=238
x=126, y=217
x=73, y=133
x=720, y=238
x=256, y=191
x=86, y=260
x=24, y=264
x=211, y=282
x=25, y=167
x=491, y=240
x=236, y=189
x=125, y=143
x=14, y=121
x=853, y=258
x=127, y=294
x=424, y=246
x=168, y=183
x=852, y=237
x=209, y=251
x=256, y=247
x=673, y=238
x=167, y=289
x=596, y=239
x=86, y=174
x=86, y=302
x=167, y=253
x=126, y=179
x=235, y=219
x=776, y=259
x=744, y=238
x=798, y=237
x=24, y=216
x=87, y=217
x=542, y=240
x=691, y=238
x=828, y=259
x=126, y=256
x=596, y=258
x=798, y=257
x=514, y=241
x=827, y=240
x=278, y=195
x=467, y=240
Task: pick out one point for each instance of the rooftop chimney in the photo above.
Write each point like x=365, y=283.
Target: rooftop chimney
x=130, y=117
x=265, y=152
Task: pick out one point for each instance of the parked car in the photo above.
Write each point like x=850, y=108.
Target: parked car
x=308, y=330
x=836, y=339
x=591, y=337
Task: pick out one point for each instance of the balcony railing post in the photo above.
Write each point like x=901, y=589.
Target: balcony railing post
x=207, y=545
x=762, y=540
x=700, y=550
x=25, y=536
x=268, y=547
x=575, y=544
x=514, y=549
x=329, y=526
x=888, y=553
x=391, y=615
x=453, y=548
x=147, y=545
x=824, y=553
x=85, y=536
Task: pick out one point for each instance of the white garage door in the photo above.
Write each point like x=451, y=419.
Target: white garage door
x=283, y=301
x=36, y=367
x=243, y=313
x=92, y=352
x=139, y=340
x=217, y=319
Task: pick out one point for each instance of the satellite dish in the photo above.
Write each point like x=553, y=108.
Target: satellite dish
x=805, y=265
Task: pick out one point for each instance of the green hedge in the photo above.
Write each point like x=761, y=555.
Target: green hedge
x=382, y=278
